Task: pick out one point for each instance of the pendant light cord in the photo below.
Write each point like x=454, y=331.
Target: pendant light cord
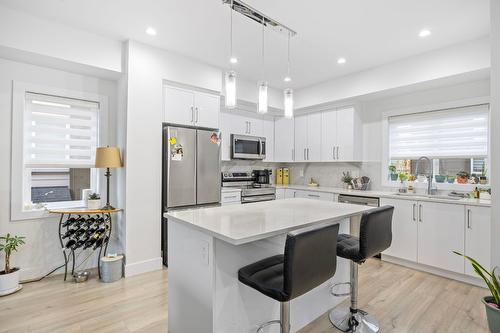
x=288, y=58
x=231, y=31
x=263, y=46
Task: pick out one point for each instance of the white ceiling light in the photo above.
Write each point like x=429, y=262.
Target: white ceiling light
x=151, y=31
x=341, y=61
x=230, y=77
x=288, y=102
x=424, y=33
x=262, y=108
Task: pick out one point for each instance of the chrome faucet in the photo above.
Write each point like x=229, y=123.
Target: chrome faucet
x=429, y=175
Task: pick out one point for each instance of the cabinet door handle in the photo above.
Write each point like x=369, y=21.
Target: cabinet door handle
x=249, y=127
x=313, y=195
x=304, y=154
x=338, y=148
x=419, y=213
x=469, y=225
x=333, y=152
x=192, y=114
x=413, y=211
x=308, y=154
x=293, y=154
x=197, y=114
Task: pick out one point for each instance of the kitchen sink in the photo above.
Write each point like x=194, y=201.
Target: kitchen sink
x=427, y=196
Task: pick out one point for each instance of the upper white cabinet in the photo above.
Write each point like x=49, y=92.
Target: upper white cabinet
x=308, y=138
x=284, y=140
x=341, y=135
x=268, y=133
x=477, y=236
x=192, y=108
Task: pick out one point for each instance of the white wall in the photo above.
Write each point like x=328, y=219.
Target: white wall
x=22, y=31
x=495, y=124
x=147, y=68
x=42, y=252
x=450, y=61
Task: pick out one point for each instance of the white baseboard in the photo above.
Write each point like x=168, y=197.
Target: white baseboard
x=144, y=266
x=436, y=271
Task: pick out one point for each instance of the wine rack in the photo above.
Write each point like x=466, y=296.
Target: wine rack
x=83, y=230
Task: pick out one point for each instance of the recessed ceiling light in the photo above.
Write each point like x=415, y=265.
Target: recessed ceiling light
x=151, y=31
x=233, y=60
x=424, y=33
x=341, y=61
x=287, y=79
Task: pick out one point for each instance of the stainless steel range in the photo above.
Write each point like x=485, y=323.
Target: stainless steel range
x=253, y=189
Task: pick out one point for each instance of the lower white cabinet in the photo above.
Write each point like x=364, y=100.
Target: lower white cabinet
x=280, y=193
x=477, y=236
x=230, y=198
x=314, y=195
x=428, y=233
x=404, y=229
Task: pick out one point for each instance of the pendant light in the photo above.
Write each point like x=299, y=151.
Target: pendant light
x=230, y=76
x=288, y=78
x=263, y=85
x=288, y=92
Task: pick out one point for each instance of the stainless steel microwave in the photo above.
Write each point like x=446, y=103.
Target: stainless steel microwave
x=248, y=147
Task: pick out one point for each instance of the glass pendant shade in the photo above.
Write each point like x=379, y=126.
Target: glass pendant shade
x=288, y=102
x=230, y=84
x=262, y=97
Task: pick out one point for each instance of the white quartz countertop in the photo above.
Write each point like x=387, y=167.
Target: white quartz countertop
x=240, y=224
x=387, y=194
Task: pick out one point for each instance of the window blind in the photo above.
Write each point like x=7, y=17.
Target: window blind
x=59, y=132
x=453, y=133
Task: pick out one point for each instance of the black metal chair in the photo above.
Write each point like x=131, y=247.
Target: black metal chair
x=310, y=259
x=374, y=237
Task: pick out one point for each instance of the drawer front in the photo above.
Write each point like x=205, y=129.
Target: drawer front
x=315, y=195
x=230, y=197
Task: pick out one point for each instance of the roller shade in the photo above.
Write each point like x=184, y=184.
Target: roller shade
x=59, y=132
x=454, y=133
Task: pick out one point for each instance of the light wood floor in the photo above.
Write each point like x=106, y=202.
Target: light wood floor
x=402, y=299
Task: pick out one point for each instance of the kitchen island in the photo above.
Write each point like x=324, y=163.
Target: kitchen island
x=208, y=246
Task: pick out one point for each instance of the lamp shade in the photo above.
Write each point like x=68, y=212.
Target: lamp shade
x=108, y=157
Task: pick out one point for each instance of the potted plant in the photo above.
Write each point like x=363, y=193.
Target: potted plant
x=392, y=170
x=450, y=179
x=402, y=178
x=463, y=177
x=347, y=179
x=491, y=303
x=9, y=277
x=94, y=201
x=440, y=178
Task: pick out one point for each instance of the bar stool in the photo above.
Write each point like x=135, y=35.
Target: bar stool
x=374, y=237
x=310, y=259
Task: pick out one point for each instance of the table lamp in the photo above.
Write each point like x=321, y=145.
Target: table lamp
x=108, y=157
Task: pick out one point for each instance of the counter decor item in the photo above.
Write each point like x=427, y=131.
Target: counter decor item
x=360, y=183
x=347, y=179
x=463, y=177
x=286, y=176
x=94, y=201
x=402, y=186
x=81, y=276
x=111, y=268
x=108, y=157
x=491, y=303
x=279, y=176
x=440, y=178
x=312, y=183
x=9, y=277
x=393, y=173
x=450, y=179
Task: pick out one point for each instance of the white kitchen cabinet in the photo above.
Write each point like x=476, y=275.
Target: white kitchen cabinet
x=280, y=193
x=230, y=197
x=284, y=140
x=268, y=133
x=290, y=193
x=308, y=138
x=341, y=135
x=441, y=231
x=477, y=236
x=404, y=229
x=192, y=108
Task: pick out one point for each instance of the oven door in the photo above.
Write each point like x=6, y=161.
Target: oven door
x=247, y=147
x=258, y=198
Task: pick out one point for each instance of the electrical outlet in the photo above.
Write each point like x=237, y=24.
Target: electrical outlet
x=301, y=173
x=205, y=253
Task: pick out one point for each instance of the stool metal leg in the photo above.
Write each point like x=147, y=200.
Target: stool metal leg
x=284, y=321
x=353, y=319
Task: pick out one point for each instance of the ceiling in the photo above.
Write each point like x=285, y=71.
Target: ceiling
x=367, y=33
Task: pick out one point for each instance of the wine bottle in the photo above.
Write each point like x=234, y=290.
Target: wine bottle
x=70, y=243
x=69, y=222
x=69, y=233
x=79, y=244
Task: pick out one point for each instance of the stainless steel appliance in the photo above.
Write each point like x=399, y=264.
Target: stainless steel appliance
x=251, y=191
x=191, y=170
x=262, y=176
x=248, y=147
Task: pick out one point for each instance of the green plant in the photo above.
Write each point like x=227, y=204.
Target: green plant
x=492, y=280
x=392, y=168
x=463, y=174
x=403, y=176
x=10, y=244
x=346, y=177
x=94, y=196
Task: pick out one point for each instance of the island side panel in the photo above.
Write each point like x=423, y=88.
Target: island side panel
x=239, y=308
x=190, y=279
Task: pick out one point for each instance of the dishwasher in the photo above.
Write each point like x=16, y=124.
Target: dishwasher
x=357, y=200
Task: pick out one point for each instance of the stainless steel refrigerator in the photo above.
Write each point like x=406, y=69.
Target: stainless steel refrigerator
x=191, y=171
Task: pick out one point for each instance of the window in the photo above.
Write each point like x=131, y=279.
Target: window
x=54, y=138
x=455, y=139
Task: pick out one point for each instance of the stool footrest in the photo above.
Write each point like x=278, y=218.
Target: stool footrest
x=271, y=322
x=340, y=294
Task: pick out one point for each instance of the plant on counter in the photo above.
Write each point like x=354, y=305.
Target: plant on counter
x=392, y=170
x=440, y=178
x=450, y=179
x=492, y=303
x=94, y=196
x=9, y=277
x=94, y=201
x=403, y=176
x=347, y=179
x=463, y=177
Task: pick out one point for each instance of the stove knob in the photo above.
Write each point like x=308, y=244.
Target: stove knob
x=226, y=174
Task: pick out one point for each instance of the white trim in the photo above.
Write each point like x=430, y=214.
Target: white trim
x=427, y=108
x=19, y=89
x=143, y=266
x=436, y=271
